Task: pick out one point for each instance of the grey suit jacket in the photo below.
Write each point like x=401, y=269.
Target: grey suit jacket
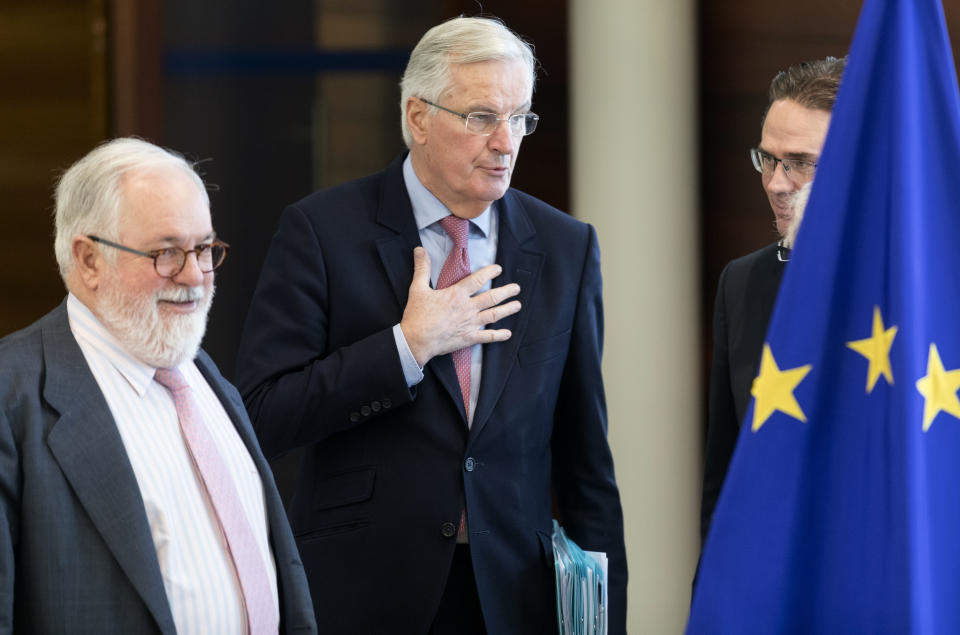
x=76, y=553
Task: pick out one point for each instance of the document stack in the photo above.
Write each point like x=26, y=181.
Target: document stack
x=581, y=587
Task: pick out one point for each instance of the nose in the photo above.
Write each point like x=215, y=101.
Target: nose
x=502, y=140
x=190, y=275
x=779, y=181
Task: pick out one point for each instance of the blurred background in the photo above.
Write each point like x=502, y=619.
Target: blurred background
x=647, y=111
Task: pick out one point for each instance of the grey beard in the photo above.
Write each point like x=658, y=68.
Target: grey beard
x=159, y=342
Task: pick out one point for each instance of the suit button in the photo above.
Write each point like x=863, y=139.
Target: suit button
x=354, y=417
x=448, y=530
x=365, y=411
x=386, y=403
x=469, y=464
x=375, y=406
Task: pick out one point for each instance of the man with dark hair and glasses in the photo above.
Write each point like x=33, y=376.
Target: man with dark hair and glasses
x=793, y=129
x=442, y=416
x=133, y=495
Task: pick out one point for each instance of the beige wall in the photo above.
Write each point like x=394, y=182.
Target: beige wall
x=633, y=119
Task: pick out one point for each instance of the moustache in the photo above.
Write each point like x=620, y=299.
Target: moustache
x=181, y=294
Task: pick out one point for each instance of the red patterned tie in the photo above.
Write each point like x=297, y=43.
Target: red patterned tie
x=455, y=269
x=262, y=615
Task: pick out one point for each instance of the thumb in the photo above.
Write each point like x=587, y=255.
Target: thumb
x=421, y=267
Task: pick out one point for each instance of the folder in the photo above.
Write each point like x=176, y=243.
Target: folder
x=581, y=581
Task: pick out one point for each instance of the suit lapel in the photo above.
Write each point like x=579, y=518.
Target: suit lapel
x=396, y=254
x=86, y=444
x=396, y=214
x=522, y=264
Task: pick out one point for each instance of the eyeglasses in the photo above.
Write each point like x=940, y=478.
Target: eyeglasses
x=486, y=123
x=795, y=169
x=170, y=261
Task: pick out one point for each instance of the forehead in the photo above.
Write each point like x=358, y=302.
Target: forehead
x=502, y=85
x=163, y=204
x=790, y=128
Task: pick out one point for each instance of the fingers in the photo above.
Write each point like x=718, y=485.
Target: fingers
x=488, y=336
x=497, y=295
x=476, y=280
x=497, y=313
x=421, y=268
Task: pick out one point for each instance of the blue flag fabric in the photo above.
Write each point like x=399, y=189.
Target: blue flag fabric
x=841, y=508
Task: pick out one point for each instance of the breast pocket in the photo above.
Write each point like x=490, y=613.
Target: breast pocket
x=345, y=488
x=544, y=350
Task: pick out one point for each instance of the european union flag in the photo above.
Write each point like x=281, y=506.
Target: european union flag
x=841, y=509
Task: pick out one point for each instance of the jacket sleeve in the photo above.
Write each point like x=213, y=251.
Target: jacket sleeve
x=583, y=475
x=723, y=427
x=9, y=521
x=297, y=388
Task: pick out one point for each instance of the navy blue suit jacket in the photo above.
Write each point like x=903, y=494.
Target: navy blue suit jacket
x=76, y=554
x=388, y=469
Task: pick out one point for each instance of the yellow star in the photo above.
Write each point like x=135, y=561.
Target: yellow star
x=773, y=390
x=939, y=389
x=876, y=349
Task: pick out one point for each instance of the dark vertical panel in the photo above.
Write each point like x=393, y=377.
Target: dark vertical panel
x=249, y=127
x=52, y=93
x=136, y=64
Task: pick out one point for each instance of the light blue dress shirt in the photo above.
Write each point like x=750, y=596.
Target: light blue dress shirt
x=482, y=247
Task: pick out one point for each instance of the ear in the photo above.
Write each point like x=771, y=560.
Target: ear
x=418, y=120
x=88, y=262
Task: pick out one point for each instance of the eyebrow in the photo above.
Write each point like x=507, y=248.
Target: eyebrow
x=802, y=156
x=485, y=108
x=175, y=240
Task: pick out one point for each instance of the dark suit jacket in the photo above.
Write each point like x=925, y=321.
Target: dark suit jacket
x=745, y=298
x=76, y=554
x=388, y=469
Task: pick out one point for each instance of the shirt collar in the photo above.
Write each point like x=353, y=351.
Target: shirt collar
x=88, y=329
x=427, y=208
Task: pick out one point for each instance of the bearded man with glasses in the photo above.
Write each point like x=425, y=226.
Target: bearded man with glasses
x=133, y=495
x=793, y=130
x=441, y=415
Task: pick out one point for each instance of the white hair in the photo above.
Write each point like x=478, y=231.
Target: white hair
x=799, y=204
x=89, y=195
x=461, y=40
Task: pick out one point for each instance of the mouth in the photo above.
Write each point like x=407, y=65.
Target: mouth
x=180, y=307
x=181, y=301
x=502, y=170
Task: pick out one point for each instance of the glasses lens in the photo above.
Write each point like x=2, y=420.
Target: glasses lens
x=482, y=122
x=796, y=168
x=169, y=262
x=530, y=121
x=522, y=125
x=213, y=257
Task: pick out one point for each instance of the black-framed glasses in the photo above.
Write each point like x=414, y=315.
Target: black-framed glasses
x=170, y=261
x=795, y=169
x=486, y=123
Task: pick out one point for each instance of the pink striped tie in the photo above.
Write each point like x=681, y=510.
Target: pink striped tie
x=455, y=269
x=262, y=615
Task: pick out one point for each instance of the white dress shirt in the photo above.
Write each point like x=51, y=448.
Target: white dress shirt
x=198, y=573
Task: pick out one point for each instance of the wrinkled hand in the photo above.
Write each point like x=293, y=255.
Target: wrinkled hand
x=439, y=321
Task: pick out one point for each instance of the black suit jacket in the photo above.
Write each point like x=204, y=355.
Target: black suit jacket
x=745, y=298
x=76, y=554
x=388, y=469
